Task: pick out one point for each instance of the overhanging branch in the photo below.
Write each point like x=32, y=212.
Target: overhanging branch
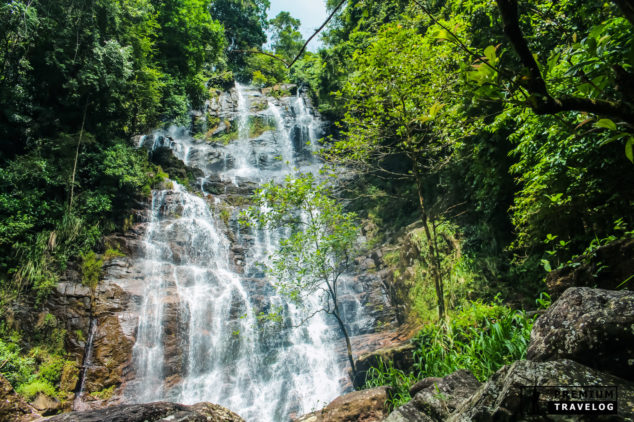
x=264, y=53
x=289, y=65
x=323, y=25
x=541, y=101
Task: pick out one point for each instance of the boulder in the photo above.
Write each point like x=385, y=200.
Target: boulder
x=12, y=406
x=608, y=267
x=359, y=406
x=435, y=398
x=201, y=412
x=590, y=326
x=504, y=398
x=46, y=405
x=173, y=166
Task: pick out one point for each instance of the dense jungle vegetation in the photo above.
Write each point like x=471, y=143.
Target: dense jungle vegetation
x=496, y=137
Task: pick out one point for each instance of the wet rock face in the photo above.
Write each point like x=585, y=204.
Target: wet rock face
x=363, y=406
x=435, y=398
x=112, y=350
x=12, y=406
x=501, y=398
x=607, y=268
x=590, y=326
x=173, y=166
x=201, y=412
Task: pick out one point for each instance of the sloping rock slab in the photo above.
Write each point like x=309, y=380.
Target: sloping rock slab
x=501, y=398
x=12, y=406
x=591, y=326
x=359, y=406
x=435, y=398
x=151, y=412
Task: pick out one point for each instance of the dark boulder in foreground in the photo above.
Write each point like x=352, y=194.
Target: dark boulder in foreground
x=507, y=396
x=151, y=412
x=435, y=398
x=589, y=326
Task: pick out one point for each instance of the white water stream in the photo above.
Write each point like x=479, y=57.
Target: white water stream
x=198, y=337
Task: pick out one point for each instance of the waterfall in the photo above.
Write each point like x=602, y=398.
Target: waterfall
x=78, y=404
x=199, y=337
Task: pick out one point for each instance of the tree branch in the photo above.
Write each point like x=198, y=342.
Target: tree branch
x=541, y=101
x=323, y=25
x=263, y=53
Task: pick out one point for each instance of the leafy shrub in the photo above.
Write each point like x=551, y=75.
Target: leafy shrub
x=112, y=254
x=91, y=269
x=33, y=388
x=17, y=369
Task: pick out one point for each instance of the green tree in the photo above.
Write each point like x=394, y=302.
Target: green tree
x=287, y=41
x=311, y=260
x=398, y=105
x=245, y=24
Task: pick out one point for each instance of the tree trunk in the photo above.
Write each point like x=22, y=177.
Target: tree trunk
x=81, y=134
x=348, y=345
x=435, y=259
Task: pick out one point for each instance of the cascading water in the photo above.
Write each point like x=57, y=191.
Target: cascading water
x=78, y=404
x=199, y=337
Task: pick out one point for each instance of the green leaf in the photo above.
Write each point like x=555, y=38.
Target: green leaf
x=489, y=53
x=606, y=124
x=433, y=111
x=629, y=149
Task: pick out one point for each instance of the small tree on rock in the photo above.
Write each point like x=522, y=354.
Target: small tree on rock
x=312, y=258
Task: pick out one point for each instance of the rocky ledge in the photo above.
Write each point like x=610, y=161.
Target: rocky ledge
x=160, y=411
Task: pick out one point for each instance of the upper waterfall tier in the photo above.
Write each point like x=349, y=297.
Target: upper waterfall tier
x=253, y=138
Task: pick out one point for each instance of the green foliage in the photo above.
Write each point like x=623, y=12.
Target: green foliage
x=245, y=23
x=388, y=110
x=38, y=371
x=386, y=374
x=268, y=70
x=112, y=254
x=121, y=68
x=480, y=337
x=33, y=388
x=319, y=245
x=286, y=40
x=17, y=368
x=259, y=79
x=104, y=394
x=505, y=174
x=91, y=269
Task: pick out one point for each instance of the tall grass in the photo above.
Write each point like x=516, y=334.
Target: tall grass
x=480, y=337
